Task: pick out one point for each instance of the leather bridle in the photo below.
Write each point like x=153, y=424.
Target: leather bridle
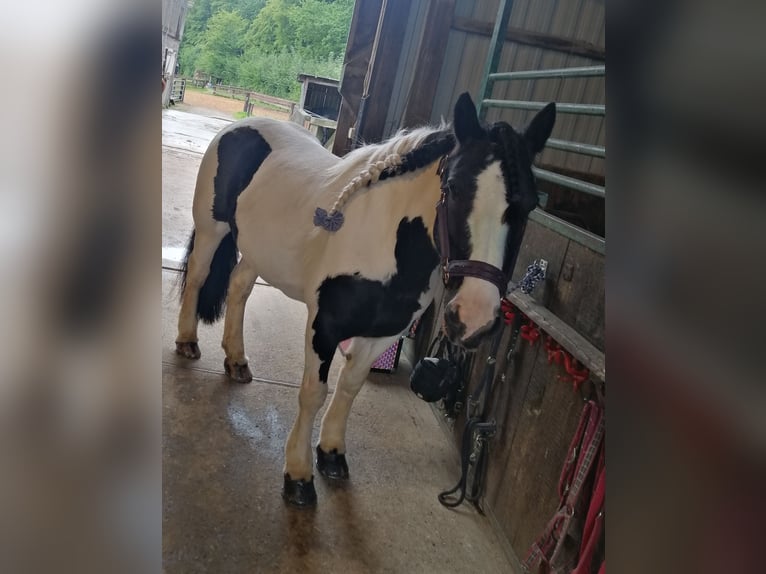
x=460, y=267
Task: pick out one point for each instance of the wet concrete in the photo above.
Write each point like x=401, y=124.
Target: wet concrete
x=189, y=132
x=223, y=452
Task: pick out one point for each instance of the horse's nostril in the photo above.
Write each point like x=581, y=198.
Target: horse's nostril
x=452, y=323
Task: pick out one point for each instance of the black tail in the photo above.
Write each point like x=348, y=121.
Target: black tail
x=212, y=295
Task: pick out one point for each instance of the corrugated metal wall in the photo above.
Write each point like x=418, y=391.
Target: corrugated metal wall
x=415, y=25
x=466, y=56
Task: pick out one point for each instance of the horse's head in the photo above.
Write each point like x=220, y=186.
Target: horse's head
x=489, y=191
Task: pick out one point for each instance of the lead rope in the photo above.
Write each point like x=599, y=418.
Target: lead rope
x=477, y=432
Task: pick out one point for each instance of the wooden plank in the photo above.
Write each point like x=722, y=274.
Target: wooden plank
x=544, y=430
x=579, y=296
x=536, y=39
x=566, y=336
x=384, y=65
x=433, y=46
x=508, y=399
x=322, y=122
x=288, y=104
x=364, y=25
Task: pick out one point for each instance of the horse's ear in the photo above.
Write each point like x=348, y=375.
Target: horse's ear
x=539, y=129
x=467, y=124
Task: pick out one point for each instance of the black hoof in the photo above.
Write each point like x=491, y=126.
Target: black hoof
x=237, y=373
x=188, y=350
x=299, y=492
x=331, y=464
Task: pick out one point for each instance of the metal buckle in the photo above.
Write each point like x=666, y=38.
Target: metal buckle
x=442, y=165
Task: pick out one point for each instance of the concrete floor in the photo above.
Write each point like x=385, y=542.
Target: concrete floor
x=223, y=444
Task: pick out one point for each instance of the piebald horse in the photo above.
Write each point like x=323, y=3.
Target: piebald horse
x=361, y=241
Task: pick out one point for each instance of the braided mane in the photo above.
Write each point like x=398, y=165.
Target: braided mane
x=403, y=153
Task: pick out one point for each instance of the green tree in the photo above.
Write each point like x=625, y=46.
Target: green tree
x=194, y=30
x=196, y=21
x=272, y=30
x=321, y=28
x=221, y=46
x=265, y=44
x=316, y=28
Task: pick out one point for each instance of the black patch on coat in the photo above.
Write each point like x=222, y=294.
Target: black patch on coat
x=240, y=153
x=352, y=306
x=521, y=194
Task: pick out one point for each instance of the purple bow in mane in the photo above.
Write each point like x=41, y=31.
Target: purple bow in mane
x=332, y=221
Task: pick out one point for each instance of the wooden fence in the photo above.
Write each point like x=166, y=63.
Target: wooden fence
x=247, y=95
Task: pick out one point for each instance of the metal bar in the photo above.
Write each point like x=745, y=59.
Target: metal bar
x=585, y=149
x=584, y=109
x=493, y=54
x=569, y=182
x=569, y=231
x=582, y=72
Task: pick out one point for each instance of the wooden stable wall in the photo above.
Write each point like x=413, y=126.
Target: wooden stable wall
x=536, y=413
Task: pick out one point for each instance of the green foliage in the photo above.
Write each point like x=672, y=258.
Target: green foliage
x=277, y=74
x=221, y=46
x=265, y=44
x=313, y=28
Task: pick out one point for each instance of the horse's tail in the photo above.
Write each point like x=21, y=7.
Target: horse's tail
x=212, y=294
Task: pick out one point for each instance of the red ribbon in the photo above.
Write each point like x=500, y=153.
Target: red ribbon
x=554, y=350
x=508, y=310
x=577, y=373
x=530, y=332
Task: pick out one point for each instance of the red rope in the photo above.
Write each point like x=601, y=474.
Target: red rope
x=576, y=373
x=530, y=332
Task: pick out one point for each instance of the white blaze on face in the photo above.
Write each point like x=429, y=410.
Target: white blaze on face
x=477, y=301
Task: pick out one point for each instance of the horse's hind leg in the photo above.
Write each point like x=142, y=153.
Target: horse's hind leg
x=197, y=269
x=331, y=450
x=240, y=286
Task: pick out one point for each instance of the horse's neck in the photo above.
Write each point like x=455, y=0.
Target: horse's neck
x=373, y=218
x=415, y=195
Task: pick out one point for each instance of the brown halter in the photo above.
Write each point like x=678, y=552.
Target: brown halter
x=460, y=267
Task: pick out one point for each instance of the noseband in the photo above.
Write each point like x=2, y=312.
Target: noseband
x=461, y=267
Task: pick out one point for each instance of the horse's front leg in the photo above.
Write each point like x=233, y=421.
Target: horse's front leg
x=298, y=473
x=240, y=286
x=331, y=450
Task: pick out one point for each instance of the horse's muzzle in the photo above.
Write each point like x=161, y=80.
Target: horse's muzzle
x=455, y=329
x=475, y=340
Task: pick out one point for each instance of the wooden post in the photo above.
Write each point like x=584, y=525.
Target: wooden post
x=361, y=37
x=433, y=45
x=382, y=72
